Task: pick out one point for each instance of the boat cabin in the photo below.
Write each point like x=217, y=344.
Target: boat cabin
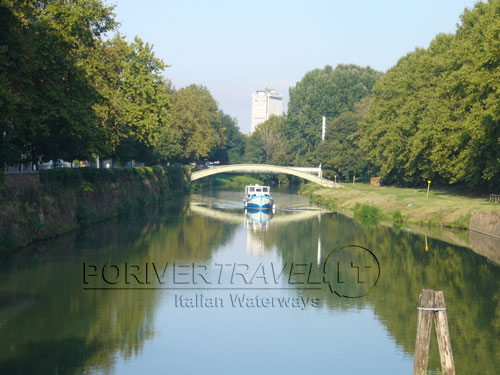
x=252, y=190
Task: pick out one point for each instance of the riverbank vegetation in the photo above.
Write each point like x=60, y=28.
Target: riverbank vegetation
x=72, y=87
x=444, y=208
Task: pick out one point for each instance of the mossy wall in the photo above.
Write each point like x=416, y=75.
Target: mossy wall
x=45, y=204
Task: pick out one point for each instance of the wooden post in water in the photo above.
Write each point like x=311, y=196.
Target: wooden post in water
x=424, y=326
x=443, y=335
x=431, y=305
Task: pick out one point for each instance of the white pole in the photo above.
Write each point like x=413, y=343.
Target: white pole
x=323, y=128
x=318, y=260
x=323, y=131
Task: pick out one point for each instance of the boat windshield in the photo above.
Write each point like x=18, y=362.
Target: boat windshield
x=265, y=189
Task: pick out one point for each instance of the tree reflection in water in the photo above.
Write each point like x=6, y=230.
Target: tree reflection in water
x=49, y=324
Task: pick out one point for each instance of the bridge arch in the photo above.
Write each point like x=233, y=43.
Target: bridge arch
x=261, y=168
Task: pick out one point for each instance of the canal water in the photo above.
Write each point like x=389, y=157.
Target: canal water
x=207, y=288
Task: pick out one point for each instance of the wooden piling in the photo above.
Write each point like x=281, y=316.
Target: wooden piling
x=424, y=326
x=443, y=335
x=431, y=306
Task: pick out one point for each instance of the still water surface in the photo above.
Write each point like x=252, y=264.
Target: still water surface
x=216, y=303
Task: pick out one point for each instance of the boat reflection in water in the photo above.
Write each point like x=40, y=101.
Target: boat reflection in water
x=257, y=222
x=258, y=219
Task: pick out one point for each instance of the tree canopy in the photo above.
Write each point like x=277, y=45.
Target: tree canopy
x=46, y=89
x=196, y=117
x=234, y=148
x=67, y=92
x=339, y=153
x=323, y=92
x=436, y=114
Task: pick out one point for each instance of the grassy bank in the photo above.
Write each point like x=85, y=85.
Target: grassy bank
x=402, y=205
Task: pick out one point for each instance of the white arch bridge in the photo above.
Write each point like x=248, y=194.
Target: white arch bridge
x=305, y=173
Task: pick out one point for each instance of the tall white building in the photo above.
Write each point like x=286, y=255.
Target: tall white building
x=265, y=103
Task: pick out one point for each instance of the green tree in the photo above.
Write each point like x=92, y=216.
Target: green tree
x=46, y=89
x=396, y=139
x=108, y=66
x=254, y=150
x=143, y=101
x=234, y=147
x=436, y=114
x=323, y=92
x=274, y=143
x=195, y=116
x=339, y=153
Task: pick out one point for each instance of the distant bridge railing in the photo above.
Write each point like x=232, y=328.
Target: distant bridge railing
x=266, y=168
x=317, y=171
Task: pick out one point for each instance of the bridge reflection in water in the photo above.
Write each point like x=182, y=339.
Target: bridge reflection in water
x=257, y=222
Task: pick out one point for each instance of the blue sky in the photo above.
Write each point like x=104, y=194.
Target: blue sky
x=237, y=47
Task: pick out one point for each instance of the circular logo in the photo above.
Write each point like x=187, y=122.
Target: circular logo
x=351, y=271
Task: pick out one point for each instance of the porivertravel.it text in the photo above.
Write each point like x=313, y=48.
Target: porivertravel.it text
x=193, y=274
